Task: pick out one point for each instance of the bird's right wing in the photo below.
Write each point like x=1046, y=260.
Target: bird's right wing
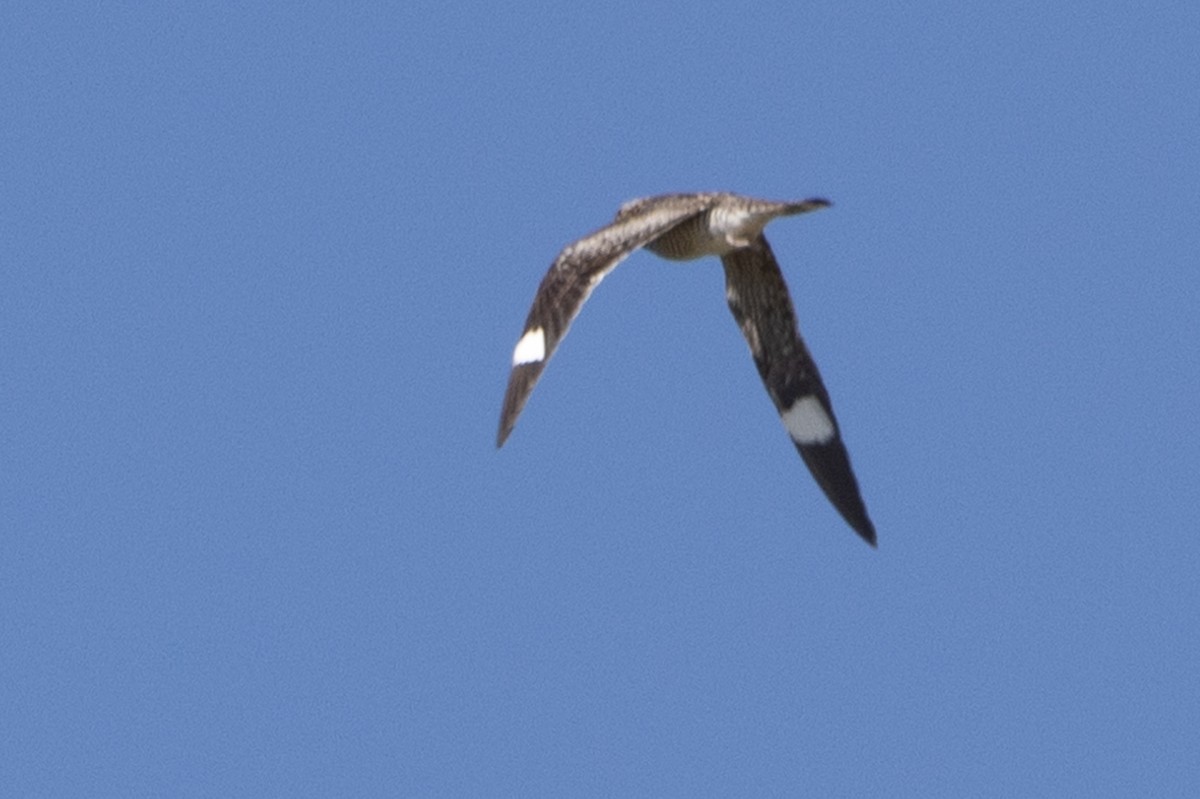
x=762, y=307
x=576, y=271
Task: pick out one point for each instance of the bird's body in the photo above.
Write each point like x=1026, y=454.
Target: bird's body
x=684, y=227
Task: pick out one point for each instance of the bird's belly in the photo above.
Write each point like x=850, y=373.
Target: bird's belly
x=694, y=238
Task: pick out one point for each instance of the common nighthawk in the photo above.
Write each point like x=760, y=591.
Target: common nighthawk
x=682, y=227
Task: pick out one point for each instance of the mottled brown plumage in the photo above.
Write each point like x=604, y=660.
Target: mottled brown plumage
x=684, y=227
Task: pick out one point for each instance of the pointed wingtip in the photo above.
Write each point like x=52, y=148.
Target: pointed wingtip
x=505, y=429
x=866, y=531
x=508, y=415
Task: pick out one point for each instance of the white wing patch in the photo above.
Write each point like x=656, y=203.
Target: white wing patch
x=531, y=348
x=807, y=422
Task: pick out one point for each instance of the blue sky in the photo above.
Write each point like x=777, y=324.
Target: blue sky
x=263, y=270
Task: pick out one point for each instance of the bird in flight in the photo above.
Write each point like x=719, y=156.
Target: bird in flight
x=683, y=227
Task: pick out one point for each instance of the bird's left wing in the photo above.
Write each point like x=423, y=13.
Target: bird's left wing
x=576, y=271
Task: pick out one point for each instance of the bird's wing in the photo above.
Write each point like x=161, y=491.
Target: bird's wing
x=576, y=271
x=758, y=297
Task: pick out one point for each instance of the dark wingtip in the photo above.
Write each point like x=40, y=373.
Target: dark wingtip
x=508, y=420
x=508, y=413
x=829, y=465
x=861, y=524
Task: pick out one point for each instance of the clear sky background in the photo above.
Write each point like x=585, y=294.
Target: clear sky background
x=263, y=268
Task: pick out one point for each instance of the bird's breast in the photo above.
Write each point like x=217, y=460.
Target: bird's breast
x=693, y=238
